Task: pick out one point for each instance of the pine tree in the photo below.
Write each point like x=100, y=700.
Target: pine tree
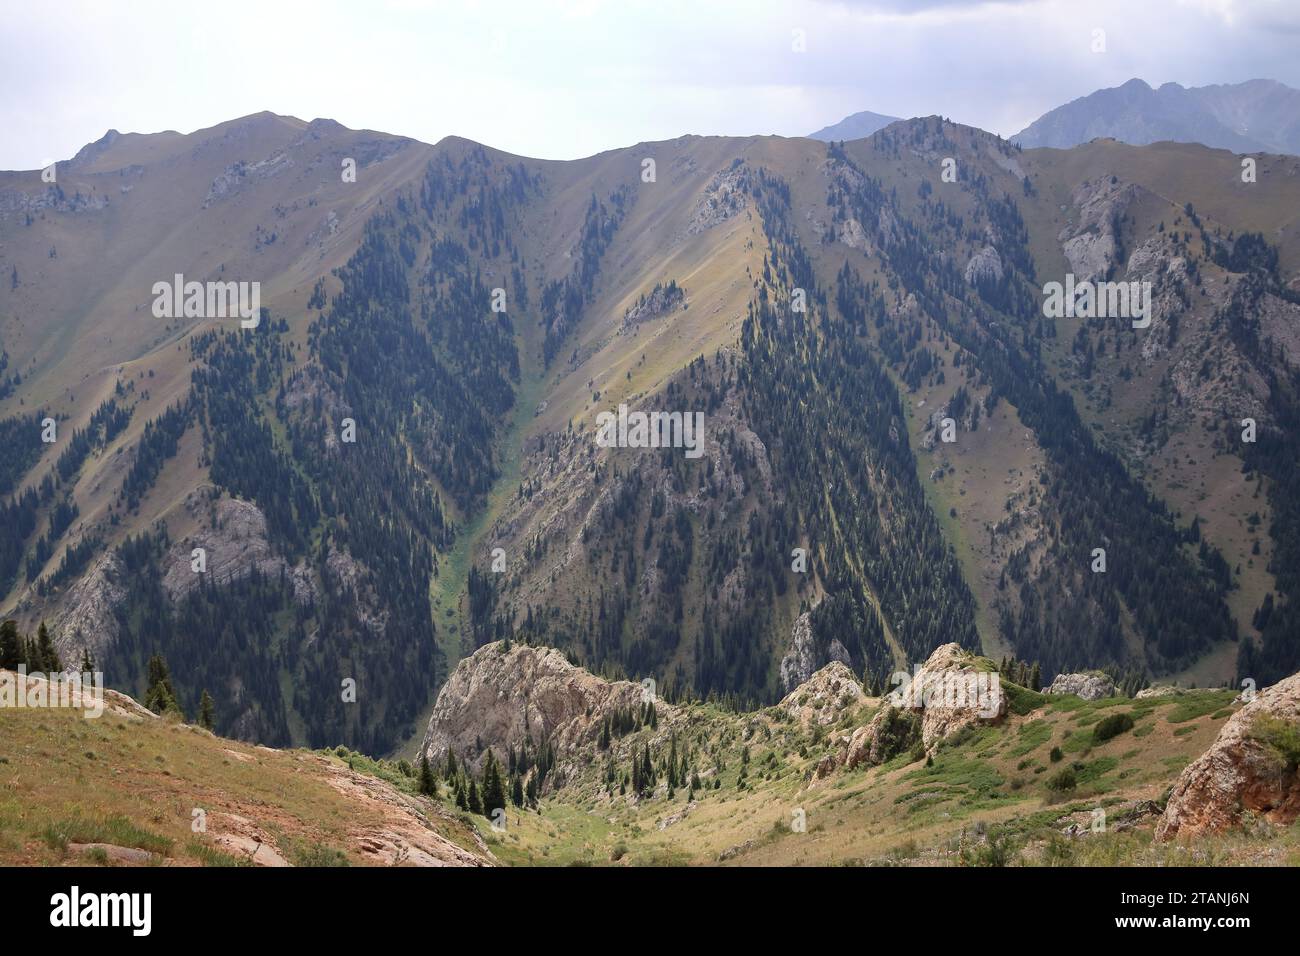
x=494, y=791
x=207, y=715
x=517, y=791
x=49, y=657
x=428, y=784
x=475, y=804
x=160, y=696
x=11, y=646
x=451, y=766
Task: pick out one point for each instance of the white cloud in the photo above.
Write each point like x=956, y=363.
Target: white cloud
x=561, y=80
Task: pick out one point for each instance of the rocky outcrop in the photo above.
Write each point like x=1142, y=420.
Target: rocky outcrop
x=349, y=576
x=234, y=541
x=948, y=693
x=723, y=198
x=235, y=177
x=498, y=697
x=800, y=660
x=1160, y=690
x=824, y=696
x=1250, y=769
x=890, y=732
x=1090, y=244
x=88, y=619
x=984, y=268
x=803, y=658
x=952, y=691
x=1089, y=686
x=399, y=831
x=662, y=300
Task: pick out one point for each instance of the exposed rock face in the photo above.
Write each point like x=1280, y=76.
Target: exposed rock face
x=1087, y=686
x=352, y=577
x=946, y=694
x=235, y=543
x=88, y=619
x=1090, y=244
x=1240, y=773
x=799, y=662
x=497, y=697
x=951, y=693
x=235, y=177
x=51, y=198
x=854, y=236
x=803, y=658
x=662, y=300
x=89, y=699
x=890, y=732
x=723, y=198
x=984, y=268
x=825, y=696
x=401, y=834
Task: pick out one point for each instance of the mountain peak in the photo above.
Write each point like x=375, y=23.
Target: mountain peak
x=1254, y=116
x=857, y=126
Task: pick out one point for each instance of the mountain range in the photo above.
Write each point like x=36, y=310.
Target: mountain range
x=1258, y=116
x=316, y=518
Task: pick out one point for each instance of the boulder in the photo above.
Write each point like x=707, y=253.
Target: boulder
x=1249, y=769
x=1089, y=686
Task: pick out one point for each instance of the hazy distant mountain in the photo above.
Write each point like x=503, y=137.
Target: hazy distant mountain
x=854, y=127
x=1255, y=116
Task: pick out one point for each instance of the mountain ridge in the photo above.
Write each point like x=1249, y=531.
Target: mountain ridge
x=1253, y=116
x=378, y=311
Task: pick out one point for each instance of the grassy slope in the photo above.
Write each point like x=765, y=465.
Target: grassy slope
x=65, y=778
x=984, y=798
x=906, y=812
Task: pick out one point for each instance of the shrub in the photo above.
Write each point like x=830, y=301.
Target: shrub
x=1056, y=755
x=1062, y=781
x=1111, y=726
x=1280, y=737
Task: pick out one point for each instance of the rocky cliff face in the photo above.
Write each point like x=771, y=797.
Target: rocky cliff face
x=233, y=539
x=1249, y=770
x=88, y=620
x=498, y=697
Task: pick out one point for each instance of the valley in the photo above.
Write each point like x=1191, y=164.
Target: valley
x=822, y=307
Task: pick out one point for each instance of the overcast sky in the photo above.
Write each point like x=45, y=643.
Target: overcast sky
x=561, y=80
